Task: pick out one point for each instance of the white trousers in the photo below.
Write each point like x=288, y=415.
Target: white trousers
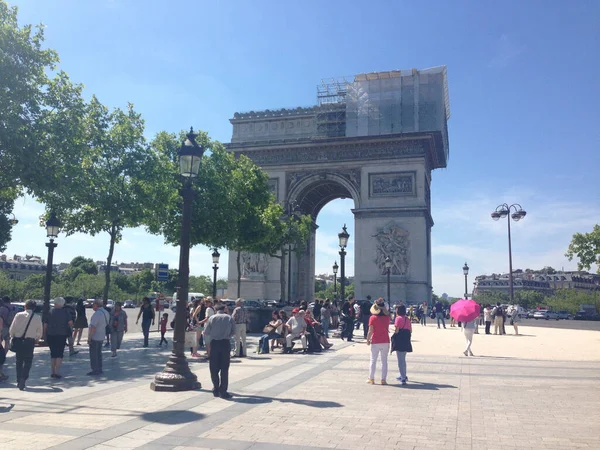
x=290, y=337
x=376, y=350
x=240, y=336
x=469, y=337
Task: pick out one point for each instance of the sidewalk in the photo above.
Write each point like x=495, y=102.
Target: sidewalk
x=523, y=395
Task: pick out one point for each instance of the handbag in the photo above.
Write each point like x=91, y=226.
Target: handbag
x=401, y=340
x=17, y=343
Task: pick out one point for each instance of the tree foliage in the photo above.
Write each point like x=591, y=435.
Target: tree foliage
x=586, y=248
x=80, y=265
x=39, y=115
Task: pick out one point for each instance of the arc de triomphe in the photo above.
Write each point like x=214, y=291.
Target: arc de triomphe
x=374, y=139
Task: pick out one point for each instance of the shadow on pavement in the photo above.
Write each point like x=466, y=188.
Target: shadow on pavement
x=423, y=386
x=7, y=408
x=171, y=417
x=257, y=399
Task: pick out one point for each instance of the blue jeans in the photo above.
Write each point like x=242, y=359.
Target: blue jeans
x=402, y=364
x=325, y=325
x=146, y=330
x=263, y=342
x=440, y=316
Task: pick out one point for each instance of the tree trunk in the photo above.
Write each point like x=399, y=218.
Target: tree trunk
x=239, y=274
x=113, y=237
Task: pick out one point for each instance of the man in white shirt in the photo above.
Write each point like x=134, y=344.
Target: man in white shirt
x=297, y=326
x=25, y=330
x=98, y=323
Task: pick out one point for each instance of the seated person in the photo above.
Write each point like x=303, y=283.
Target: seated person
x=310, y=320
x=271, y=332
x=297, y=329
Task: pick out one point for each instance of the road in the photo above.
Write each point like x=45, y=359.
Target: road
x=563, y=324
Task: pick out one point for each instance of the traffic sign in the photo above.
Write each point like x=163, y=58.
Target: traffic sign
x=162, y=272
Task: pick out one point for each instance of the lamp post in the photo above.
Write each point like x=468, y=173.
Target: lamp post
x=215, y=257
x=52, y=229
x=466, y=272
x=335, y=270
x=343, y=237
x=501, y=212
x=388, y=269
x=13, y=221
x=177, y=376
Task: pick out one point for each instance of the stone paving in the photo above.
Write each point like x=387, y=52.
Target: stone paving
x=536, y=391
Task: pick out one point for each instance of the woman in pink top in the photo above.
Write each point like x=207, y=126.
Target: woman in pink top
x=379, y=339
x=402, y=341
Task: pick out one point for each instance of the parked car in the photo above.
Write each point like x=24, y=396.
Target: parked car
x=128, y=304
x=545, y=314
x=110, y=304
x=582, y=315
x=89, y=303
x=563, y=314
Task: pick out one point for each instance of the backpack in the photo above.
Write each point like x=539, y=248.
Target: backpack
x=499, y=312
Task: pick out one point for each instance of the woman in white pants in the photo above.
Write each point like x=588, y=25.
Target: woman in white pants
x=469, y=330
x=379, y=339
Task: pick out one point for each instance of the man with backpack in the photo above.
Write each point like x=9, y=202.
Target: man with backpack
x=498, y=314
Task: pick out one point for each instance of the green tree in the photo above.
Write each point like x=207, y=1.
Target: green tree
x=529, y=299
x=141, y=282
x=491, y=298
x=80, y=265
x=586, y=247
x=38, y=113
x=113, y=188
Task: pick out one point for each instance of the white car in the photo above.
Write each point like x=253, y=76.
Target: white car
x=545, y=314
x=110, y=304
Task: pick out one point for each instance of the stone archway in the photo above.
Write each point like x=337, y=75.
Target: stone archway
x=378, y=144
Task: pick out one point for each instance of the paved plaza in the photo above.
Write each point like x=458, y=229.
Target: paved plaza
x=536, y=391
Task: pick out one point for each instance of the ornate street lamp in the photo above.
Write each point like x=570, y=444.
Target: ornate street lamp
x=52, y=230
x=466, y=272
x=388, y=269
x=343, y=237
x=177, y=376
x=13, y=221
x=335, y=270
x=501, y=212
x=215, y=257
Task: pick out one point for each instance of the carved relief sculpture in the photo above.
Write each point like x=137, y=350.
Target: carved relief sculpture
x=392, y=241
x=395, y=184
x=254, y=263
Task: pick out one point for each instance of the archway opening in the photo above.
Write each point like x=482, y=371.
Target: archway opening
x=330, y=220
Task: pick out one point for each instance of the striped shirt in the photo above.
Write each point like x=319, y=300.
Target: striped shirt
x=240, y=315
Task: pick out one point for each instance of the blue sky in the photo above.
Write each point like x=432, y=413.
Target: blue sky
x=523, y=88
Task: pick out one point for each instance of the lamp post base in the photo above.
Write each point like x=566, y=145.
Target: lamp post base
x=175, y=377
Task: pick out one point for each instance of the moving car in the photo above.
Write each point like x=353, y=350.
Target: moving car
x=89, y=303
x=128, y=304
x=110, y=304
x=563, y=314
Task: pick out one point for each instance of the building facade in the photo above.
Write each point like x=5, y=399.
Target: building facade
x=20, y=267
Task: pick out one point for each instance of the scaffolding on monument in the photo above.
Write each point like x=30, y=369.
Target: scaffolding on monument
x=331, y=112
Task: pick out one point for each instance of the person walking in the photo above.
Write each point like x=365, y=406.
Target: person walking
x=401, y=339
x=220, y=329
x=240, y=320
x=81, y=321
x=365, y=315
x=163, y=329
x=326, y=318
x=70, y=308
x=469, y=331
x=335, y=315
x=7, y=314
x=210, y=311
x=357, y=318
x=498, y=314
x=317, y=308
x=25, y=331
x=348, y=313
x=424, y=312
x=515, y=318
x=56, y=330
x=378, y=338
x=118, y=327
x=99, y=323
x=147, y=315
x=439, y=313
x=487, y=318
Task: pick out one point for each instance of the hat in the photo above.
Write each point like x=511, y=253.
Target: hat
x=295, y=310
x=377, y=310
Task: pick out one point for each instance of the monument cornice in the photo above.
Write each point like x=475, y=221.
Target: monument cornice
x=336, y=150
x=394, y=213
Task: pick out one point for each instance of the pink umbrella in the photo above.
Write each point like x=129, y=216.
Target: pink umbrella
x=465, y=310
